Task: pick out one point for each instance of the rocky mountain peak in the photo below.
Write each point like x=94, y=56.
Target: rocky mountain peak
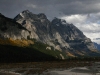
x=57, y=21
x=26, y=14
x=26, y=11
x=29, y=15
x=57, y=33
x=42, y=16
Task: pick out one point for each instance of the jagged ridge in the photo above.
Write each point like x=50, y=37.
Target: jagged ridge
x=58, y=33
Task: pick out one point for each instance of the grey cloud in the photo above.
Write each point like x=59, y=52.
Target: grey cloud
x=94, y=18
x=81, y=7
x=11, y=8
x=51, y=8
x=60, y=8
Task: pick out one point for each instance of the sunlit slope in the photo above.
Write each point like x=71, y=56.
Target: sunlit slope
x=17, y=42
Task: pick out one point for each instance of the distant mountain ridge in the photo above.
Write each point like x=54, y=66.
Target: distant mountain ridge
x=97, y=46
x=56, y=33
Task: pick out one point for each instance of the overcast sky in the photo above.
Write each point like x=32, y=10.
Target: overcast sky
x=85, y=14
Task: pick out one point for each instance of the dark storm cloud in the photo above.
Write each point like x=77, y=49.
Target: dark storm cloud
x=51, y=8
x=82, y=7
x=11, y=8
x=85, y=14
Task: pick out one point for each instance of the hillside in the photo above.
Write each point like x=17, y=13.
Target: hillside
x=36, y=52
x=30, y=37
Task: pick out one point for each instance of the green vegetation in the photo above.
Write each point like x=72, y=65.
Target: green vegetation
x=22, y=54
x=34, y=52
x=53, y=52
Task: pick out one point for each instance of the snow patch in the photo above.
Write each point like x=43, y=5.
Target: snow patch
x=21, y=15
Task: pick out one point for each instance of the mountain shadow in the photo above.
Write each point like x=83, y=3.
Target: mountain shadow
x=15, y=54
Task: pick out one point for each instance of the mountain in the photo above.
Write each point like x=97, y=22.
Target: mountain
x=12, y=33
x=97, y=46
x=57, y=33
x=15, y=45
x=11, y=29
x=54, y=39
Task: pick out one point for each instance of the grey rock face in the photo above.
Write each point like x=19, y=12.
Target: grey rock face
x=38, y=25
x=97, y=46
x=70, y=36
x=11, y=29
x=57, y=33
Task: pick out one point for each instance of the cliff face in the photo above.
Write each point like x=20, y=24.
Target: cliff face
x=97, y=46
x=58, y=33
x=11, y=29
x=76, y=41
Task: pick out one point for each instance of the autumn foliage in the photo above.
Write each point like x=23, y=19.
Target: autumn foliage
x=17, y=42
